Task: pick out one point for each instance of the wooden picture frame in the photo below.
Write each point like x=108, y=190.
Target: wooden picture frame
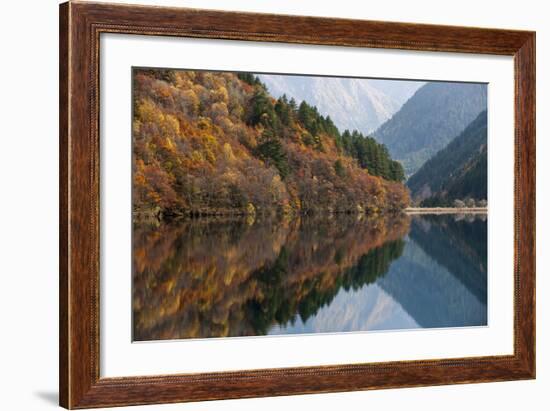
x=80, y=27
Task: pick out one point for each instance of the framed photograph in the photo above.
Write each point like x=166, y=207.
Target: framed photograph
x=259, y=205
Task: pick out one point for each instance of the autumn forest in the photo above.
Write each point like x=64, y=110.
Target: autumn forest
x=213, y=143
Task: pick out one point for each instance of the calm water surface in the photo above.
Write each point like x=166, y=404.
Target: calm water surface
x=258, y=276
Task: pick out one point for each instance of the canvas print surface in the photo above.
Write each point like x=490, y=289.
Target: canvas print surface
x=270, y=204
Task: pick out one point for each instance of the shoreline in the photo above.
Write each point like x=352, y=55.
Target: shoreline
x=144, y=215
x=445, y=210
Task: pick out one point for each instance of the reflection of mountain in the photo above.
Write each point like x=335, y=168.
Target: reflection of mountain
x=441, y=279
x=237, y=277
x=367, y=309
x=459, y=246
x=213, y=278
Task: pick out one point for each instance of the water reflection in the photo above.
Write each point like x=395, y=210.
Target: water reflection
x=240, y=277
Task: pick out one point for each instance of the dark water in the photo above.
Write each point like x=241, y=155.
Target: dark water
x=242, y=277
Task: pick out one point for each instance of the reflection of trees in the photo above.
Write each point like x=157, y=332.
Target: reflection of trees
x=279, y=305
x=213, y=278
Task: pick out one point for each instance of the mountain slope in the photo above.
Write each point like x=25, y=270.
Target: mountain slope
x=353, y=104
x=426, y=123
x=210, y=143
x=458, y=171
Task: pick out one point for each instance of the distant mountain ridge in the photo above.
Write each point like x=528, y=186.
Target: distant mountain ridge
x=458, y=171
x=353, y=104
x=429, y=120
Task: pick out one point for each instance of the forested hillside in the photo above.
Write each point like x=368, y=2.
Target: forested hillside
x=429, y=120
x=217, y=143
x=457, y=172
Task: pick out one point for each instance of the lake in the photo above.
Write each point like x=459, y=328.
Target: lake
x=254, y=276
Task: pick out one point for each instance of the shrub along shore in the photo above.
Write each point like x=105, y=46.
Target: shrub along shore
x=446, y=210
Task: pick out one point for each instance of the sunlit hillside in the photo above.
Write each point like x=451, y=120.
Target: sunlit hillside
x=209, y=143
